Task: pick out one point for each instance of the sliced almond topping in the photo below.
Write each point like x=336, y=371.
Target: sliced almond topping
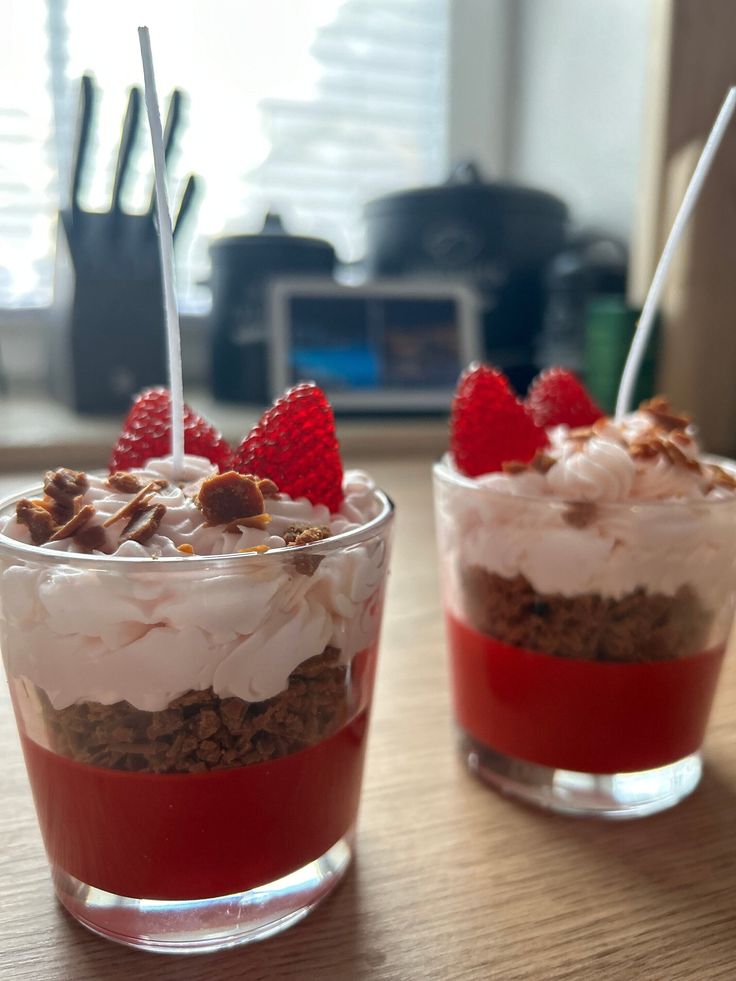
x=582, y=433
x=260, y=521
x=134, y=504
x=720, y=477
x=185, y=548
x=144, y=524
x=74, y=524
x=37, y=520
x=126, y=483
x=660, y=410
x=223, y=497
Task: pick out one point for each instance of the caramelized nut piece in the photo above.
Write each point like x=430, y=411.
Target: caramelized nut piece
x=74, y=524
x=267, y=487
x=185, y=548
x=144, y=524
x=64, y=484
x=126, y=483
x=91, y=538
x=254, y=548
x=307, y=564
x=297, y=535
x=37, y=520
x=223, y=497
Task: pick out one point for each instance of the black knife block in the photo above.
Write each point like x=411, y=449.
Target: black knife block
x=108, y=336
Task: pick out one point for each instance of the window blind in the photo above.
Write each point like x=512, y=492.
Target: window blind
x=309, y=109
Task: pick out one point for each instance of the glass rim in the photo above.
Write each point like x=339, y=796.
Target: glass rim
x=129, y=563
x=444, y=470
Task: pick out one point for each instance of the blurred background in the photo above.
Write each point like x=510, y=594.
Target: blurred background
x=369, y=193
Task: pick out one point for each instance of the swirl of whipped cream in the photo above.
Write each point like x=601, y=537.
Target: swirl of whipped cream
x=86, y=634
x=602, y=470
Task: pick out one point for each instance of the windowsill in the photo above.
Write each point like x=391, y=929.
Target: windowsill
x=38, y=433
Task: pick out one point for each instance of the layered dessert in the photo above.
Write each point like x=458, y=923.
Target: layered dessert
x=589, y=567
x=191, y=653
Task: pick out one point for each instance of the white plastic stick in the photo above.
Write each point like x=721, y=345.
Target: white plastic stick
x=166, y=246
x=646, y=321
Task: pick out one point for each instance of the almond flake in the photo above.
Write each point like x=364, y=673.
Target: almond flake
x=74, y=524
x=144, y=524
x=140, y=500
x=260, y=521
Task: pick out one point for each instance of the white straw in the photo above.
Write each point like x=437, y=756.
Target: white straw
x=646, y=321
x=166, y=246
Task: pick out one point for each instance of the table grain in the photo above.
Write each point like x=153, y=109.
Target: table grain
x=451, y=882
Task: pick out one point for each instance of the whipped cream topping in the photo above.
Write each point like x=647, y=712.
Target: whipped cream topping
x=608, y=464
x=603, y=511
x=149, y=636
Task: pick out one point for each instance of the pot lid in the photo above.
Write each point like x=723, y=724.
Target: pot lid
x=272, y=235
x=465, y=184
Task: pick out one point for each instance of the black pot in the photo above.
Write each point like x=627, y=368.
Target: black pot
x=496, y=236
x=242, y=267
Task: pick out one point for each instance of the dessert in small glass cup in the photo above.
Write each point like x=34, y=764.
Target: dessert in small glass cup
x=589, y=596
x=192, y=688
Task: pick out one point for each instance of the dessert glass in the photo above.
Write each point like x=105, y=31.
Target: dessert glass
x=580, y=702
x=212, y=821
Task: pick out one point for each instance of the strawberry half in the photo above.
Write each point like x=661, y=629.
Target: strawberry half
x=557, y=397
x=489, y=426
x=146, y=434
x=295, y=445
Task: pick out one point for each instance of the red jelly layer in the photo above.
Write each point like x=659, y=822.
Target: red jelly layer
x=589, y=716
x=194, y=836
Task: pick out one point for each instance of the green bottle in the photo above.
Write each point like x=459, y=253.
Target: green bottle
x=609, y=327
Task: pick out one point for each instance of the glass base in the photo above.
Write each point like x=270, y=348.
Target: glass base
x=202, y=926
x=616, y=795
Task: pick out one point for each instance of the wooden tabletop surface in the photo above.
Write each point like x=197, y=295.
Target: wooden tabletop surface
x=451, y=881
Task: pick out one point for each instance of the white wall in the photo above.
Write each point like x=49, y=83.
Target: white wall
x=577, y=90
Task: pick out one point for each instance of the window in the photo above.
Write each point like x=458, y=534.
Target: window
x=306, y=108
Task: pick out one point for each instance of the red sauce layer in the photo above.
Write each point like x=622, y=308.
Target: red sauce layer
x=589, y=716
x=193, y=836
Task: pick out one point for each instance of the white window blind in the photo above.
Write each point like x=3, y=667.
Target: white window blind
x=308, y=108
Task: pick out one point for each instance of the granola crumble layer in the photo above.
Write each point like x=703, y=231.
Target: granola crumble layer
x=200, y=731
x=638, y=626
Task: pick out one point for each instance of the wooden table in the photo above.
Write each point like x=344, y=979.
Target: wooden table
x=452, y=882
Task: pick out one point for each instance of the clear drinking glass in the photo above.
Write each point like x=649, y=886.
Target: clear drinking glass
x=195, y=821
x=585, y=641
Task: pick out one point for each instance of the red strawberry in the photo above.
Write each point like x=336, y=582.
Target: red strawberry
x=294, y=444
x=489, y=426
x=146, y=434
x=556, y=397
